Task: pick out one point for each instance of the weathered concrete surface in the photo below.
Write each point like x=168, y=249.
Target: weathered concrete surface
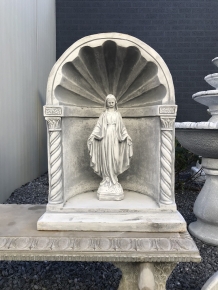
x=202, y=139
x=206, y=205
x=137, y=212
x=203, y=142
x=20, y=240
x=146, y=259
x=92, y=68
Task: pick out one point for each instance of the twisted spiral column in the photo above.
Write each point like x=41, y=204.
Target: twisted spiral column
x=55, y=161
x=166, y=160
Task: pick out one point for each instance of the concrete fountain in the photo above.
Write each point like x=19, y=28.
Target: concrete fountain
x=202, y=139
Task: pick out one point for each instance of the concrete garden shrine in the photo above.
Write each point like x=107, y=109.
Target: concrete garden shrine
x=110, y=112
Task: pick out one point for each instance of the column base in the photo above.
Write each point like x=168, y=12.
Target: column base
x=205, y=232
x=206, y=205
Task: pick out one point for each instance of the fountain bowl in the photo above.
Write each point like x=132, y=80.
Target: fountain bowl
x=215, y=61
x=207, y=98
x=212, y=80
x=202, y=142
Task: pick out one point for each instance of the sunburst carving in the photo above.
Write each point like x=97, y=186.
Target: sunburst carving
x=110, y=68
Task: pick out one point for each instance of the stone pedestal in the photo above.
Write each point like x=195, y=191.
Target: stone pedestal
x=206, y=205
x=212, y=283
x=149, y=276
x=202, y=139
x=136, y=213
x=112, y=192
x=145, y=259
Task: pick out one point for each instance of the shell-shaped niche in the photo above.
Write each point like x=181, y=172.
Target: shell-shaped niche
x=110, y=69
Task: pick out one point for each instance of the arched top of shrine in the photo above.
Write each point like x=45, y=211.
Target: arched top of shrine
x=110, y=63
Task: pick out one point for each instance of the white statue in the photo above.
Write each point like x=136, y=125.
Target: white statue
x=110, y=149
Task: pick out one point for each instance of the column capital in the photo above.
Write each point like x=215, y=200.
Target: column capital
x=167, y=123
x=54, y=123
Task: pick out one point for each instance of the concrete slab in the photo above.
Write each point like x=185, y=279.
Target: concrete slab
x=137, y=212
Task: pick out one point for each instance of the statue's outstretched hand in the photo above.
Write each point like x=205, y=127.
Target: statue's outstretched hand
x=89, y=142
x=91, y=138
x=129, y=140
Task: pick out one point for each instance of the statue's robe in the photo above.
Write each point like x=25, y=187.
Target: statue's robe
x=109, y=151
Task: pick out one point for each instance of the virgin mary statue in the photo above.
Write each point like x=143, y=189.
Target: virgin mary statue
x=110, y=149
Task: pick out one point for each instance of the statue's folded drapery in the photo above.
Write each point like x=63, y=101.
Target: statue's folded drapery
x=109, y=146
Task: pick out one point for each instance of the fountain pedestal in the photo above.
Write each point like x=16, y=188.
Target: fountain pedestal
x=202, y=139
x=206, y=205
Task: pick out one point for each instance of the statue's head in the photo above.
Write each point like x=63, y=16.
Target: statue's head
x=111, y=102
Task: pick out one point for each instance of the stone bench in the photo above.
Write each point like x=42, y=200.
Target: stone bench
x=145, y=259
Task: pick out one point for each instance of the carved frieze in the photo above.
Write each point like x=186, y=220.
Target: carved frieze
x=167, y=110
x=53, y=111
x=182, y=244
x=99, y=248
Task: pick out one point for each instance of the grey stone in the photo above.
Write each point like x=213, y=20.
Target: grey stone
x=92, y=68
x=143, y=230
x=141, y=256
x=110, y=150
x=144, y=276
x=20, y=240
x=203, y=142
x=205, y=207
x=202, y=139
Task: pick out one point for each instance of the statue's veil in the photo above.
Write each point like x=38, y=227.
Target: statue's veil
x=110, y=96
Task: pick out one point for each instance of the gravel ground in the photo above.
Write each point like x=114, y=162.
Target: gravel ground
x=100, y=276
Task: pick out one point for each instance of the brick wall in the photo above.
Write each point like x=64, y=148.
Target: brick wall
x=184, y=33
